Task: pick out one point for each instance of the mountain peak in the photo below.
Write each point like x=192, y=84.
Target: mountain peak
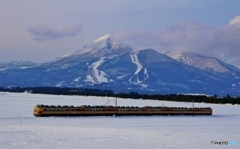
x=102, y=47
x=176, y=53
x=103, y=38
x=104, y=42
x=105, y=45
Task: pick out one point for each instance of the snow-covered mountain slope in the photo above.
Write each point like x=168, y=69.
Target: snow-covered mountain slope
x=102, y=47
x=17, y=63
x=208, y=64
x=212, y=65
x=135, y=78
x=97, y=76
x=109, y=64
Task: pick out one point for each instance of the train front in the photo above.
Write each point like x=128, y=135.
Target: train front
x=37, y=111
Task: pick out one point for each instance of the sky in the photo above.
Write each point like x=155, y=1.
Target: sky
x=40, y=31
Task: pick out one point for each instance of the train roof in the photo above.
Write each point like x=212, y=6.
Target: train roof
x=109, y=106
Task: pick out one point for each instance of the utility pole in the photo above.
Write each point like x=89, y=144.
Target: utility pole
x=116, y=109
x=193, y=106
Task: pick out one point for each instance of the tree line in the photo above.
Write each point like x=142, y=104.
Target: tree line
x=134, y=95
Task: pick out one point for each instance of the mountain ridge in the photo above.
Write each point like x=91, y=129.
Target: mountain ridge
x=109, y=64
x=206, y=63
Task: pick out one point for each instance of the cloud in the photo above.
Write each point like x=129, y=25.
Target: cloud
x=168, y=39
x=221, y=42
x=45, y=32
x=235, y=20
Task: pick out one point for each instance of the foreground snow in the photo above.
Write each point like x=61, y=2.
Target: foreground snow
x=20, y=129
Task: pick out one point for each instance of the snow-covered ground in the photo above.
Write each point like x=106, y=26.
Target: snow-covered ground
x=20, y=129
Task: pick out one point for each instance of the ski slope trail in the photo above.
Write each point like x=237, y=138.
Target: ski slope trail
x=98, y=76
x=135, y=79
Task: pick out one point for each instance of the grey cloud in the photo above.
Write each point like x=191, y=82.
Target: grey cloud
x=224, y=43
x=45, y=32
x=178, y=35
x=221, y=42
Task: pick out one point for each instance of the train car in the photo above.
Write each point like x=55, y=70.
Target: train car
x=84, y=110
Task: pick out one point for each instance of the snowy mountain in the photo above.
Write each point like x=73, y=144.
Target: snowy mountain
x=208, y=64
x=17, y=63
x=108, y=64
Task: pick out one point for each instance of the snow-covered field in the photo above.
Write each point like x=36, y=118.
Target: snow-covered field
x=20, y=129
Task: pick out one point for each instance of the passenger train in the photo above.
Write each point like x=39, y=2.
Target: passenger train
x=86, y=110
